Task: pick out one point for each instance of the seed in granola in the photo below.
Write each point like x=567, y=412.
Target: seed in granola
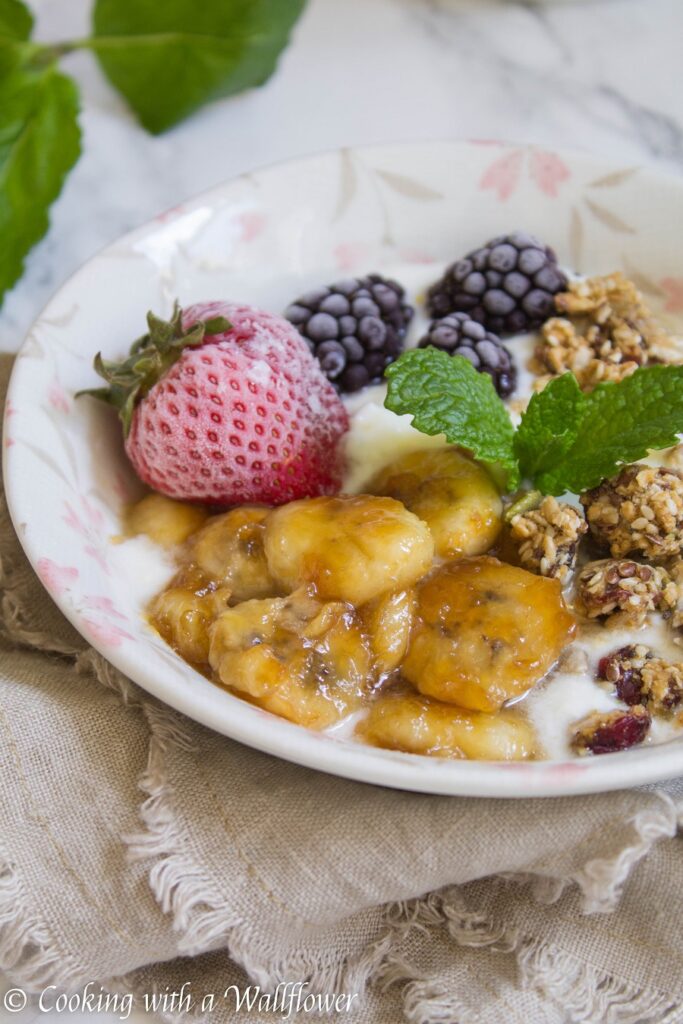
x=623, y=592
x=639, y=511
x=606, y=732
x=546, y=538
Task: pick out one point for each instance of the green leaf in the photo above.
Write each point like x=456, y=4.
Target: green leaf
x=169, y=57
x=446, y=395
x=549, y=426
x=39, y=143
x=621, y=423
x=16, y=21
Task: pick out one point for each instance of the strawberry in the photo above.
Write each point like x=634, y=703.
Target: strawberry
x=225, y=404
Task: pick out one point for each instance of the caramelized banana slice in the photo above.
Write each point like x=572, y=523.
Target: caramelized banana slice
x=450, y=492
x=418, y=725
x=485, y=632
x=229, y=550
x=183, y=618
x=352, y=549
x=386, y=622
x=297, y=657
x=163, y=520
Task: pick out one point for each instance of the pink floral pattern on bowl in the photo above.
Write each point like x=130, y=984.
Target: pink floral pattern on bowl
x=546, y=169
x=88, y=522
x=673, y=287
x=58, y=579
x=266, y=237
x=103, y=633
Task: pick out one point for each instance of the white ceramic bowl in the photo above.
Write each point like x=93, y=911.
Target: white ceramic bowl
x=263, y=239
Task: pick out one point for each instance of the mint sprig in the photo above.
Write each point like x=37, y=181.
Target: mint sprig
x=446, y=395
x=612, y=425
x=567, y=440
x=16, y=20
x=39, y=143
x=166, y=57
x=169, y=57
x=549, y=426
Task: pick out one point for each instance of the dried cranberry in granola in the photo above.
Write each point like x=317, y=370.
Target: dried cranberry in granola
x=603, y=732
x=641, y=678
x=623, y=668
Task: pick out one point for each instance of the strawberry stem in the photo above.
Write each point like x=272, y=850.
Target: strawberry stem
x=150, y=357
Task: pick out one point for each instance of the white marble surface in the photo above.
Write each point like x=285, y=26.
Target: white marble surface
x=601, y=75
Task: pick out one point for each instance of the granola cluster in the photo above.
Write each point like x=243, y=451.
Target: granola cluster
x=639, y=511
x=603, y=732
x=624, y=591
x=546, y=538
x=604, y=332
x=641, y=678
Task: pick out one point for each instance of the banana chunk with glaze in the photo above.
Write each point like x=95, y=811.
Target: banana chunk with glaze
x=450, y=492
x=419, y=725
x=387, y=621
x=350, y=548
x=183, y=617
x=165, y=521
x=485, y=632
x=301, y=658
x=229, y=550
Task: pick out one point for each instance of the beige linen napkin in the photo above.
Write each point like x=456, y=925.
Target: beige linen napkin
x=140, y=852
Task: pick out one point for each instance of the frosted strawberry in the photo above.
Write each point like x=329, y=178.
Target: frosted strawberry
x=224, y=404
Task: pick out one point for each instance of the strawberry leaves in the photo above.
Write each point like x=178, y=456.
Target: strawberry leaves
x=169, y=58
x=150, y=357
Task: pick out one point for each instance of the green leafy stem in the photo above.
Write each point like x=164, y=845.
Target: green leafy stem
x=166, y=58
x=567, y=441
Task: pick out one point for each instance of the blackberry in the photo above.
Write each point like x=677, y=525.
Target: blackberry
x=459, y=335
x=508, y=285
x=354, y=327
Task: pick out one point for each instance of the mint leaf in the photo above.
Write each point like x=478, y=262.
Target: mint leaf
x=16, y=20
x=446, y=395
x=39, y=143
x=168, y=57
x=620, y=423
x=549, y=426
